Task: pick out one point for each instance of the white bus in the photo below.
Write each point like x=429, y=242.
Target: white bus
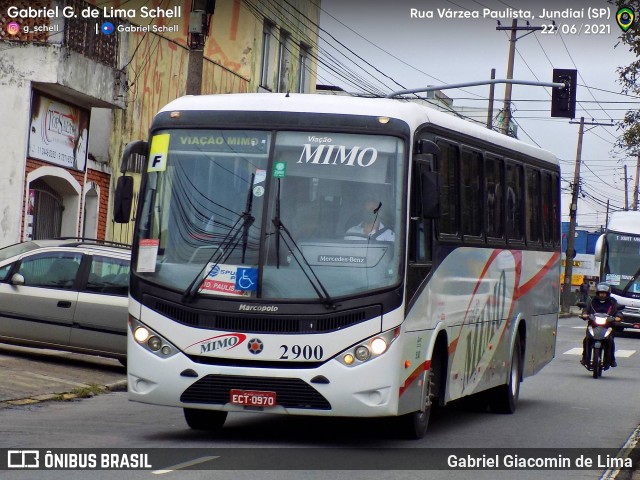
x=618, y=251
x=257, y=286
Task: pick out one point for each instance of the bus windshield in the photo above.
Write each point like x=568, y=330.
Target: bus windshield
x=272, y=215
x=621, y=262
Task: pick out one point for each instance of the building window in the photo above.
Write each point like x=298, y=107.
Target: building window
x=283, y=62
x=47, y=210
x=266, y=70
x=304, y=63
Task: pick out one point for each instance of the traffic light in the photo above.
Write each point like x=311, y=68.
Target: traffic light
x=563, y=100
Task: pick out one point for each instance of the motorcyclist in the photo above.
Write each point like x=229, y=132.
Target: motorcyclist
x=601, y=303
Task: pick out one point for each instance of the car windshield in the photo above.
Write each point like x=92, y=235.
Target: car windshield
x=291, y=215
x=622, y=262
x=17, y=249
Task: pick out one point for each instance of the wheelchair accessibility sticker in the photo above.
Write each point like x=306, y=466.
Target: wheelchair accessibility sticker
x=230, y=280
x=247, y=279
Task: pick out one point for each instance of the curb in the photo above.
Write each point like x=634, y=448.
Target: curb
x=119, y=386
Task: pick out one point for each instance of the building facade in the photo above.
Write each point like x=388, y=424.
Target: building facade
x=79, y=80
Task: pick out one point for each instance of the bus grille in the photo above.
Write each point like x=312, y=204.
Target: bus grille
x=290, y=392
x=262, y=323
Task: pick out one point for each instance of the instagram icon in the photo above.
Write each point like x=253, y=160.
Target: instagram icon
x=13, y=28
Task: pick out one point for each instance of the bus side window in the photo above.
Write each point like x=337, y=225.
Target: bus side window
x=494, y=185
x=515, y=202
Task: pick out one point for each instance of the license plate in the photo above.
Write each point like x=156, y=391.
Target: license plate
x=253, y=398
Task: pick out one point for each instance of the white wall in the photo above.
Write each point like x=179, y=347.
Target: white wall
x=17, y=67
x=71, y=78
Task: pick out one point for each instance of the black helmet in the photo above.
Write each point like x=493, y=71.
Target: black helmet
x=603, y=287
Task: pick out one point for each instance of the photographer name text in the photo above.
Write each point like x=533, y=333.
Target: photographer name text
x=92, y=12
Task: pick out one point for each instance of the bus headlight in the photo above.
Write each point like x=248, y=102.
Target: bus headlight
x=150, y=340
x=362, y=353
x=154, y=343
x=370, y=348
x=378, y=346
x=141, y=334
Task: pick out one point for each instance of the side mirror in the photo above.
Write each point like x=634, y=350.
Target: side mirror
x=17, y=279
x=123, y=200
x=581, y=304
x=139, y=147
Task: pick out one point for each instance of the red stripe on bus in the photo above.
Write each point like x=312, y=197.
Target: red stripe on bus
x=523, y=289
x=414, y=375
x=519, y=290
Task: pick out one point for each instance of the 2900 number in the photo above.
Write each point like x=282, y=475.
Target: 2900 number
x=294, y=352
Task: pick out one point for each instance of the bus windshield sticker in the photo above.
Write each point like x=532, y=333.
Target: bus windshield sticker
x=246, y=279
x=260, y=177
x=330, y=157
x=225, y=141
x=147, y=255
x=612, y=279
x=158, y=153
x=222, y=280
x=279, y=169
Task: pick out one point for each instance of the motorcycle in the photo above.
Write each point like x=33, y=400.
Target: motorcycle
x=600, y=331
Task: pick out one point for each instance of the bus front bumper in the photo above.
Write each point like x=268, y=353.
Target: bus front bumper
x=370, y=389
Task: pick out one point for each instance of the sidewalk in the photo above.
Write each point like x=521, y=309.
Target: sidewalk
x=30, y=376
x=573, y=312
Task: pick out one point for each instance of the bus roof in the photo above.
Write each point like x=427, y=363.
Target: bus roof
x=625, y=222
x=410, y=112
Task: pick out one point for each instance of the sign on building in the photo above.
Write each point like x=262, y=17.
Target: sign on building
x=58, y=133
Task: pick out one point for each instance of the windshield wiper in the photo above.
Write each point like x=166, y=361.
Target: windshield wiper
x=229, y=243
x=247, y=224
x=318, y=287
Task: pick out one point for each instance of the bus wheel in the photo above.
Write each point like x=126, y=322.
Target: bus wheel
x=415, y=424
x=207, y=420
x=503, y=399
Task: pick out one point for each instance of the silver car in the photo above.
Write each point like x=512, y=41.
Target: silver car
x=65, y=294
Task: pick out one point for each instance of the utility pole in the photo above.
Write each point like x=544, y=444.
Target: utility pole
x=573, y=215
x=635, y=184
x=506, y=113
x=199, y=21
x=492, y=90
x=571, y=235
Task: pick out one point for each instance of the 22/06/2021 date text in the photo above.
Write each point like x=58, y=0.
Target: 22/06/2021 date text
x=576, y=29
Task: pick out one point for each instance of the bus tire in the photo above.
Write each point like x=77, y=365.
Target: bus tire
x=415, y=424
x=205, y=420
x=504, y=398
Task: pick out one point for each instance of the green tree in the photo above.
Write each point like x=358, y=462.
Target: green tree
x=630, y=80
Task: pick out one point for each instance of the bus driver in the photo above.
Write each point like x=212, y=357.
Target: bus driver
x=370, y=225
